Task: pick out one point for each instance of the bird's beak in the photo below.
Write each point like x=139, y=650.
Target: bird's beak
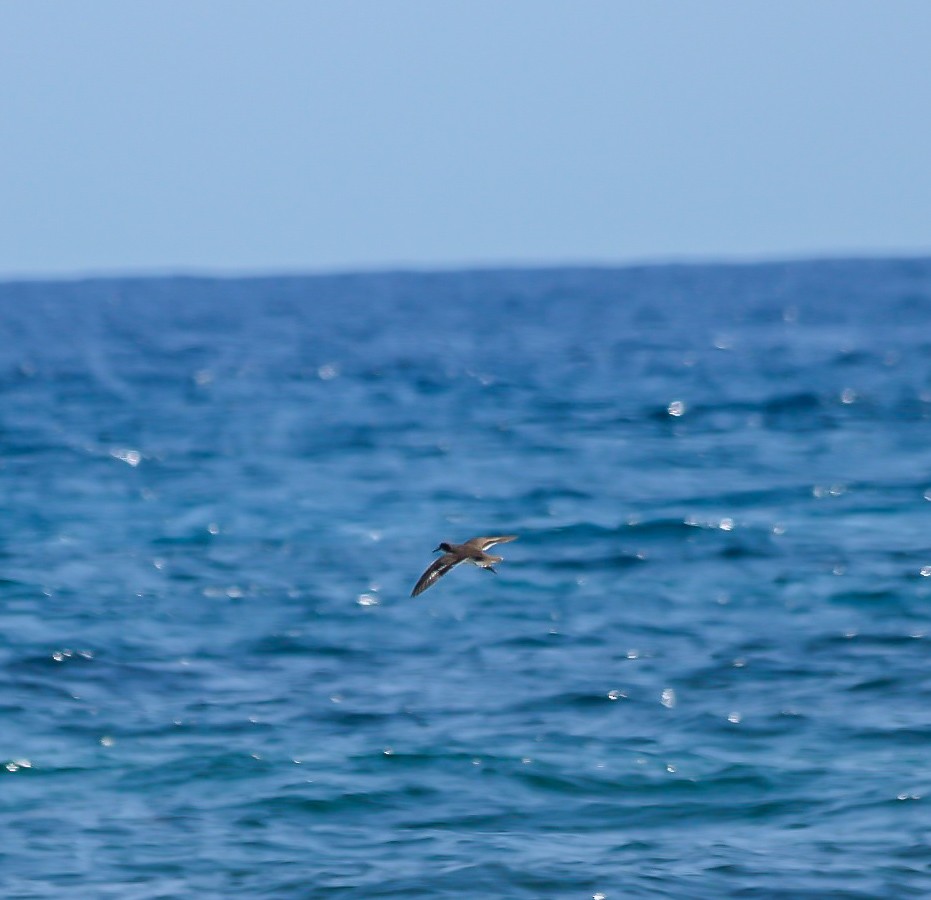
x=437, y=549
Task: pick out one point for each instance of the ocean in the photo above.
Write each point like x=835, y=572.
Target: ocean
x=702, y=671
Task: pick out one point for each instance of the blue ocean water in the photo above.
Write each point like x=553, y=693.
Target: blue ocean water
x=704, y=669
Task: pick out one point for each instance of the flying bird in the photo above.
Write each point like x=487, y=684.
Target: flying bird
x=472, y=551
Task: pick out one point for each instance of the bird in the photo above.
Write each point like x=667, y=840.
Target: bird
x=472, y=551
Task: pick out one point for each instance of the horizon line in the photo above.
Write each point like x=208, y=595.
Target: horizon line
x=207, y=273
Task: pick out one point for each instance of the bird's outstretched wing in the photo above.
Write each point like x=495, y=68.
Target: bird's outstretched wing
x=437, y=569
x=483, y=543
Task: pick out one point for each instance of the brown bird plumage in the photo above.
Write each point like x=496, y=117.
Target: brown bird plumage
x=472, y=551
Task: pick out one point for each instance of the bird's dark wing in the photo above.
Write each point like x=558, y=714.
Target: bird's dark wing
x=483, y=543
x=437, y=569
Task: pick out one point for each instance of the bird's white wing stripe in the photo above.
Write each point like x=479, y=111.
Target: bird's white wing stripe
x=435, y=570
x=500, y=539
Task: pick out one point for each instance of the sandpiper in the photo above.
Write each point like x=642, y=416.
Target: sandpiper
x=472, y=551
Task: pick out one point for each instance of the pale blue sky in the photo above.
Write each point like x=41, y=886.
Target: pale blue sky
x=235, y=137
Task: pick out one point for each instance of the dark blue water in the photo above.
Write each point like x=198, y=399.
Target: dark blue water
x=704, y=670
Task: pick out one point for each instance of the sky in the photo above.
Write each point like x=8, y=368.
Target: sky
x=240, y=137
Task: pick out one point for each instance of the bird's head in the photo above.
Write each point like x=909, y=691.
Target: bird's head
x=444, y=548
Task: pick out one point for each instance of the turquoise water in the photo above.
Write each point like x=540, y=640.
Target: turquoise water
x=704, y=670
